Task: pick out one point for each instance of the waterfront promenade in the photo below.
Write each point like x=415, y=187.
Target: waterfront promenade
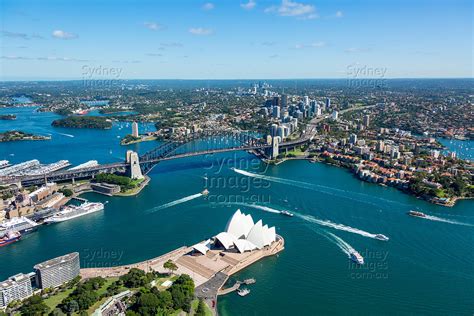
x=209, y=272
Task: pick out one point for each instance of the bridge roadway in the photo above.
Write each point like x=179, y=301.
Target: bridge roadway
x=307, y=136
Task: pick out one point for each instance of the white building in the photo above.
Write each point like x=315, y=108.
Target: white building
x=17, y=287
x=135, y=129
x=243, y=234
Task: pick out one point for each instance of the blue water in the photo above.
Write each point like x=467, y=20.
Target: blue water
x=427, y=266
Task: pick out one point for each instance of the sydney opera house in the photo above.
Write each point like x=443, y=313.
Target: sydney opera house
x=242, y=234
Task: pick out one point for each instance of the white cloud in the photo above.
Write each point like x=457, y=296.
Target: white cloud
x=312, y=45
x=356, y=50
x=63, y=35
x=208, y=6
x=200, y=31
x=339, y=14
x=154, y=54
x=153, y=26
x=294, y=9
x=249, y=5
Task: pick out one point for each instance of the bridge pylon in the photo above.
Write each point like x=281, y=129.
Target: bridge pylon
x=133, y=162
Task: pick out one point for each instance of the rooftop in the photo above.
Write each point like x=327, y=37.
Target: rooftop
x=56, y=261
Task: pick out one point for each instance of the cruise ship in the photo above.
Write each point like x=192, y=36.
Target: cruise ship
x=73, y=211
x=356, y=257
x=9, y=238
x=22, y=225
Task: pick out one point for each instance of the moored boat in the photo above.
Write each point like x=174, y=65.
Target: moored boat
x=9, y=238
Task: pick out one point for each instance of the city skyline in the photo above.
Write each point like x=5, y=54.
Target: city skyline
x=235, y=40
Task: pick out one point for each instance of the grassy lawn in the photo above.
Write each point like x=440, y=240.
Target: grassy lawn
x=56, y=299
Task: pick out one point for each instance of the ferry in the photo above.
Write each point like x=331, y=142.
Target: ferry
x=286, y=213
x=381, y=237
x=356, y=257
x=21, y=224
x=416, y=214
x=205, y=192
x=243, y=292
x=73, y=211
x=9, y=238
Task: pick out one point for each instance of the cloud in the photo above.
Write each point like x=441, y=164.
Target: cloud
x=49, y=58
x=339, y=14
x=154, y=54
x=268, y=44
x=12, y=57
x=208, y=6
x=15, y=35
x=273, y=56
x=249, y=5
x=200, y=31
x=171, y=44
x=294, y=9
x=63, y=35
x=54, y=58
x=153, y=26
x=312, y=45
x=356, y=50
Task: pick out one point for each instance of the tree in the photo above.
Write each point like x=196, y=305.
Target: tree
x=34, y=306
x=201, y=308
x=66, y=192
x=134, y=278
x=170, y=265
x=57, y=312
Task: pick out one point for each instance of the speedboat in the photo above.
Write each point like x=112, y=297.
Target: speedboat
x=356, y=257
x=381, y=237
x=416, y=214
x=286, y=213
x=205, y=192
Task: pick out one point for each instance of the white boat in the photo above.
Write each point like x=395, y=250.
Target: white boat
x=21, y=224
x=381, y=237
x=286, y=213
x=243, y=292
x=356, y=257
x=73, y=211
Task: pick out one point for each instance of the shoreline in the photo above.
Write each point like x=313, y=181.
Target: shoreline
x=450, y=203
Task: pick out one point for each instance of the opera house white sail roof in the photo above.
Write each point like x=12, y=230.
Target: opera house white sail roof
x=245, y=235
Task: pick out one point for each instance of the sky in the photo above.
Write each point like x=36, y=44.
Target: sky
x=235, y=39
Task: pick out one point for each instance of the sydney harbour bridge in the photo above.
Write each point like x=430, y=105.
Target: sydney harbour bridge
x=194, y=144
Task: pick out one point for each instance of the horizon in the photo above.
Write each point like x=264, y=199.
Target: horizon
x=248, y=39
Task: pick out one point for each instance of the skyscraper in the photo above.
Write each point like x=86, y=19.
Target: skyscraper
x=353, y=138
x=276, y=111
x=366, y=120
x=328, y=103
x=135, y=129
x=284, y=100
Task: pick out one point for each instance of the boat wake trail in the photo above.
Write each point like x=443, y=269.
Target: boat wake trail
x=445, y=220
x=67, y=135
x=342, y=227
x=319, y=188
x=173, y=203
x=258, y=207
x=344, y=246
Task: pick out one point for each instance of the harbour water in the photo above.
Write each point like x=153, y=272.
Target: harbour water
x=427, y=266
